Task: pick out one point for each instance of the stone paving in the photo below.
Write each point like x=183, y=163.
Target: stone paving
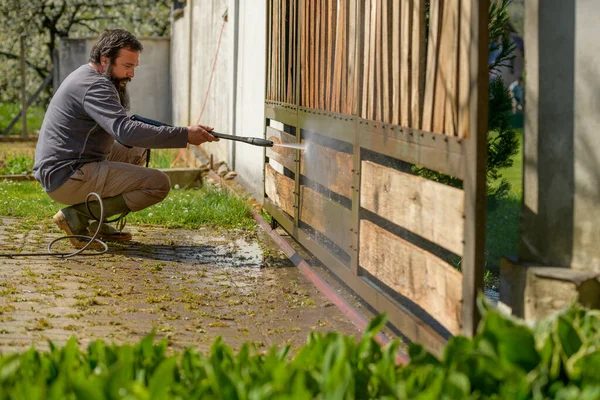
x=189, y=286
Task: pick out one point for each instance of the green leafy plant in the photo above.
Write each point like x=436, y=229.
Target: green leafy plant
x=558, y=358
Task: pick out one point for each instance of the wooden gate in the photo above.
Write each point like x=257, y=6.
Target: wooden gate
x=378, y=89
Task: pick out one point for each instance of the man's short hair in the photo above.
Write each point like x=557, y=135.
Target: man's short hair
x=110, y=42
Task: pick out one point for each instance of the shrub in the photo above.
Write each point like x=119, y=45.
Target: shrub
x=558, y=358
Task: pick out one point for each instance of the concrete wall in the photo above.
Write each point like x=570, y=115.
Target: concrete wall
x=560, y=222
x=150, y=89
x=562, y=151
x=250, y=94
x=235, y=99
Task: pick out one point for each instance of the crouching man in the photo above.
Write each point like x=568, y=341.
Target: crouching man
x=87, y=142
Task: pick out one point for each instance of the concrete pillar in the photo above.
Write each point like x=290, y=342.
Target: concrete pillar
x=560, y=221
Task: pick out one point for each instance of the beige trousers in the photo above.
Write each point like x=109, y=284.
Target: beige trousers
x=122, y=173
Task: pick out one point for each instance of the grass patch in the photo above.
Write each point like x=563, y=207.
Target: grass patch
x=35, y=116
x=181, y=209
x=502, y=231
x=163, y=158
x=193, y=208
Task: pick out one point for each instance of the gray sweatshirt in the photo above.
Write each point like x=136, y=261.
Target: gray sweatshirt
x=81, y=124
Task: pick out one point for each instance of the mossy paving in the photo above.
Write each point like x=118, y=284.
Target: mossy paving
x=190, y=286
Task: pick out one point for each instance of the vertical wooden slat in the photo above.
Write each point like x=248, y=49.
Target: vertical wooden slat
x=329, y=58
x=337, y=60
x=372, y=65
x=303, y=79
x=269, y=60
x=451, y=29
x=439, y=100
x=282, y=50
x=366, y=58
x=417, y=61
x=405, y=63
x=396, y=32
x=276, y=36
x=345, y=90
x=317, y=23
x=464, y=47
x=432, y=63
x=313, y=52
x=385, y=59
x=378, y=89
x=476, y=158
x=353, y=66
x=323, y=55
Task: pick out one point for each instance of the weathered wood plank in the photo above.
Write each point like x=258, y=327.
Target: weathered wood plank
x=417, y=61
x=385, y=59
x=326, y=216
x=283, y=155
x=280, y=189
x=366, y=59
x=430, y=209
x=372, y=65
x=464, y=71
x=330, y=168
x=405, y=63
x=396, y=39
x=432, y=64
x=451, y=28
x=414, y=273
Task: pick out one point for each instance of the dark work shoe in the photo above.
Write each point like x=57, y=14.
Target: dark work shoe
x=108, y=233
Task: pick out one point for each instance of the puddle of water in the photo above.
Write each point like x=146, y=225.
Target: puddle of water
x=219, y=251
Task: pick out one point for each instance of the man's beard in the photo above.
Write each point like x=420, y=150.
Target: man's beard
x=121, y=85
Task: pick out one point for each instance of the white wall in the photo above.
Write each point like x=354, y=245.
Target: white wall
x=150, y=90
x=250, y=94
x=235, y=102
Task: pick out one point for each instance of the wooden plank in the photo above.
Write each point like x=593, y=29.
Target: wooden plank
x=432, y=64
x=474, y=182
x=441, y=72
x=410, y=326
x=372, y=45
x=303, y=56
x=269, y=54
x=329, y=58
x=417, y=61
x=443, y=156
x=337, y=59
x=317, y=54
x=464, y=71
x=414, y=273
x=385, y=59
x=451, y=122
x=330, y=168
x=405, y=62
x=290, y=51
x=283, y=155
x=323, y=55
x=430, y=209
x=396, y=33
x=353, y=100
x=366, y=59
x=376, y=83
x=326, y=216
x=280, y=189
x=343, y=97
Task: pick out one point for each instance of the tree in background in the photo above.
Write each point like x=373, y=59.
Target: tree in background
x=502, y=139
x=43, y=22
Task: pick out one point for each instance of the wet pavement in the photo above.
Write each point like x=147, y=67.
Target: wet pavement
x=189, y=286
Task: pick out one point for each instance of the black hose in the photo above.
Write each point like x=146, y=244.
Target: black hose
x=90, y=239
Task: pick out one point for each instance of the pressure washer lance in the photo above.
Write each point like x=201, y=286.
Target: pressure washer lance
x=250, y=140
